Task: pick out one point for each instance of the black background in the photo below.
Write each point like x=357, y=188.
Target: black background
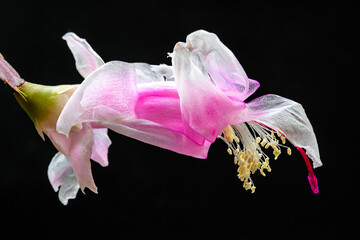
x=302, y=52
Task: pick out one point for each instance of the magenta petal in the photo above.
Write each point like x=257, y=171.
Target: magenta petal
x=160, y=103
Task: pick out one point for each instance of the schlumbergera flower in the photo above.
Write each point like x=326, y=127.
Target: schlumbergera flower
x=187, y=106
x=70, y=167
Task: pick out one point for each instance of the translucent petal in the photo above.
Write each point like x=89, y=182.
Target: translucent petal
x=221, y=64
x=61, y=175
x=286, y=116
x=145, y=73
x=205, y=108
x=80, y=152
x=78, y=149
x=101, y=146
x=108, y=93
x=86, y=59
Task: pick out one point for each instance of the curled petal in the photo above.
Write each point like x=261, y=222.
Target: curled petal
x=286, y=116
x=62, y=175
x=78, y=148
x=80, y=152
x=86, y=59
x=221, y=64
x=108, y=93
x=205, y=108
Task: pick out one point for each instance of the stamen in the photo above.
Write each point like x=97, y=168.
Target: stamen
x=247, y=142
x=289, y=151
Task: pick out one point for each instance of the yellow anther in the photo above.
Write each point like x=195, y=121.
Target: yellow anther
x=268, y=168
x=248, y=186
x=258, y=139
x=262, y=172
x=229, y=151
x=235, y=160
x=283, y=139
x=253, y=189
x=272, y=134
x=237, y=140
x=229, y=134
x=264, y=141
x=241, y=155
x=289, y=151
x=276, y=152
x=279, y=134
x=267, y=146
x=267, y=160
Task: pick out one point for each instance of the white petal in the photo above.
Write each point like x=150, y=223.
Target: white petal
x=86, y=59
x=61, y=175
x=221, y=64
x=286, y=116
x=101, y=146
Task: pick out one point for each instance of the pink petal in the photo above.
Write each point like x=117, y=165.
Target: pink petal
x=205, y=108
x=108, y=93
x=78, y=149
x=160, y=136
x=286, y=116
x=87, y=60
x=61, y=175
x=9, y=75
x=221, y=64
x=80, y=152
x=101, y=146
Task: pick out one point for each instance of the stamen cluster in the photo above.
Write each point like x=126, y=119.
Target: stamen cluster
x=246, y=142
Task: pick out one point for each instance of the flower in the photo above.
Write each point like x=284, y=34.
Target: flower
x=70, y=168
x=134, y=99
x=187, y=106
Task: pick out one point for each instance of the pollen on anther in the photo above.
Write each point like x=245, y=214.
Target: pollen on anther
x=289, y=151
x=229, y=151
x=263, y=142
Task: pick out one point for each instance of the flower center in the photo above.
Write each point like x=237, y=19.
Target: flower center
x=246, y=142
